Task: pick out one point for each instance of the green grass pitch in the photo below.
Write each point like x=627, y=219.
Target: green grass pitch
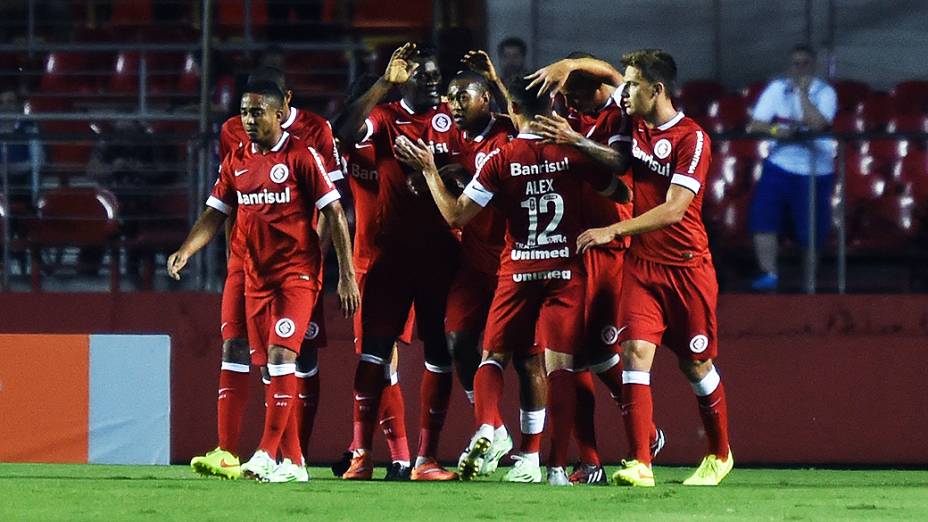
x=157, y=493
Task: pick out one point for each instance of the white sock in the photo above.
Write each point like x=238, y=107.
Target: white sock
x=403, y=463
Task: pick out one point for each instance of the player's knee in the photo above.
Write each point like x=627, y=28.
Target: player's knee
x=236, y=351
x=555, y=361
x=695, y=371
x=308, y=360
x=638, y=355
x=280, y=355
x=462, y=345
x=377, y=350
x=437, y=357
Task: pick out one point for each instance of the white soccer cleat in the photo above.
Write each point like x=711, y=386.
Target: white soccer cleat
x=259, y=467
x=472, y=459
x=558, y=477
x=501, y=446
x=524, y=471
x=287, y=471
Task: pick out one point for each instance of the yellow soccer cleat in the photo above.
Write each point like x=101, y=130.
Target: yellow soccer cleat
x=634, y=473
x=217, y=463
x=711, y=471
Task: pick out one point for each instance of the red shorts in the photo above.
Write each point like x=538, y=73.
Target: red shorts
x=528, y=317
x=469, y=300
x=280, y=318
x=233, y=313
x=671, y=305
x=603, y=293
x=405, y=337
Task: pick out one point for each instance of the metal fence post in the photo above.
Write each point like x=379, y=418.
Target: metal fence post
x=811, y=250
x=7, y=233
x=842, y=219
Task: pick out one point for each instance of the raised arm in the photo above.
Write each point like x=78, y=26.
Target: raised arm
x=349, y=297
x=553, y=77
x=480, y=62
x=205, y=228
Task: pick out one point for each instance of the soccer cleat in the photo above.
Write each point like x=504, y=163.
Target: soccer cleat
x=766, y=282
x=474, y=456
x=524, y=470
x=430, y=470
x=397, y=472
x=259, y=467
x=340, y=467
x=711, y=471
x=588, y=474
x=501, y=446
x=634, y=473
x=558, y=477
x=361, y=467
x=658, y=443
x=287, y=471
x=217, y=463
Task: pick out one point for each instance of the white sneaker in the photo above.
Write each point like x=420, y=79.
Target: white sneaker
x=524, y=470
x=501, y=446
x=472, y=459
x=260, y=466
x=287, y=471
x=558, y=477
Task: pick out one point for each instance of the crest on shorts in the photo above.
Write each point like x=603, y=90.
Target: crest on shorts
x=441, y=122
x=662, y=148
x=699, y=343
x=279, y=173
x=284, y=328
x=312, y=331
x=609, y=334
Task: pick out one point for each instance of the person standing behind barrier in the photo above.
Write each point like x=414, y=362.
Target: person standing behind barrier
x=796, y=103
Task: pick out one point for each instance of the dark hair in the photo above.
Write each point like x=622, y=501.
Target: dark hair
x=269, y=74
x=804, y=48
x=512, y=41
x=579, y=54
x=469, y=77
x=266, y=89
x=529, y=101
x=655, y=65
x=424, y=53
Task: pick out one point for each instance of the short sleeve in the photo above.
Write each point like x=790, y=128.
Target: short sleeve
x=323, y=190
x=691, y=165
x=617, y=128
x=766, y=107
x=222, y=197
x=326, y=147
x=485, y=183
x=827, y=102
x=375, y=122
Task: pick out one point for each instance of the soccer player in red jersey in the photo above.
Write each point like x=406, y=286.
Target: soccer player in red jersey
x=669, y=288
x=597, y=126
x=417, y=258
x=272, y=184
x=236, y=359
x=538, y=304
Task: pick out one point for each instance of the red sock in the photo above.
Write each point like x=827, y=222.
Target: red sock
x=434, y=396
x=233, y=395
x=488, y=387
x=562, y=403
x=290, y=440
x=280, y=396
x=584, y=429
x=368, y=387
x=530, y=442
x=309, y=398
x=713, y=409
x=637, y=413
x=612, y=378
x=393, y=422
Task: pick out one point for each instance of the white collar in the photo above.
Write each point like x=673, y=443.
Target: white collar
x=290, y=120
x=406, y=106
x=673, y=121
x=279, y=145
x=483, y=134
x=528, y=136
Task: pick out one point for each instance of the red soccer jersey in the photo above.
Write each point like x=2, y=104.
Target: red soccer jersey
x=274, y=195
x=605, y=127
x=406, y=221
x=482, y=239
x=539, y=188
x=361, y=168
x=677, y=152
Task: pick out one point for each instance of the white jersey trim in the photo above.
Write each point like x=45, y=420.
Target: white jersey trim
x=290, y=119
x=673, y=121
x=478, y=193
x=218, y=204
x=369, y=129
x=619, y=137
x=406, y=106
x=327, y=198
x=336, y=175
x=280, y=143
x=685, y=181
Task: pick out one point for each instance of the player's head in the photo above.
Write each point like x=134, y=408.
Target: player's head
x=582, y=91
x=525, y=103
x=268, y=74
x=469, y=98
x=649, y=78
x=262, y=110
x=512, y=52
x=421, y=90
x=802, y=61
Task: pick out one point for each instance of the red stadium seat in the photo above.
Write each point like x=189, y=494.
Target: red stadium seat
x=863, y=182
x=131, y=13
x=695, y=96
x=230, y=16
x=908, y=123
x=850, y=94
x=910, y=97
x=876, y=111
x=728, y=113
x=912, y=171
x=847, y=122
x=370, y=14
x=67, y=72
x=189, y=80
x=733, y=225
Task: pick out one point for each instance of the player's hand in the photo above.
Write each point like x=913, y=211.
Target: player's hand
x=595, y=237
x=399, y=69
x=555, y=129
x=417, y=155
x=480, y=62
x=176, y=262
x=551, y=77
x=349, y=297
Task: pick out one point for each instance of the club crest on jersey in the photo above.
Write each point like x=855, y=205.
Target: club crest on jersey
x=609, y=334
x=441, y=122
x=699, y=343
x=312, y=331
x=279, y=173
x=284, y=328
x=662, y=148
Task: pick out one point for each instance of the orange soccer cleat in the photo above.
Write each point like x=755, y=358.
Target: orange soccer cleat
x=361, y=467
x=431, y=470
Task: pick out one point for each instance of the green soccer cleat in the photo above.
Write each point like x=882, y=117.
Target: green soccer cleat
x=525, y=470
x=634, y=473
x=217, y=463
x=711, y=471
x=501, y=446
